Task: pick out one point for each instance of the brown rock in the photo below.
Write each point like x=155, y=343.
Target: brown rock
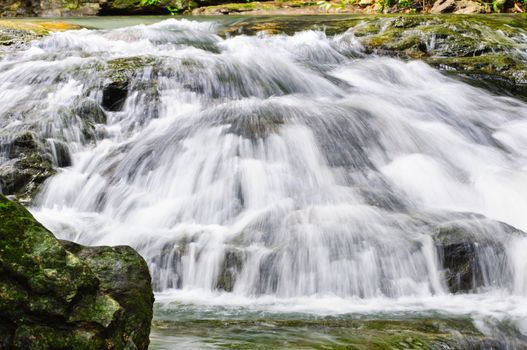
x=467, y=6
x=443, y=6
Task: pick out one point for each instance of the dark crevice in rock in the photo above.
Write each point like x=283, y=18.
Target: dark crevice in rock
x=114, y=96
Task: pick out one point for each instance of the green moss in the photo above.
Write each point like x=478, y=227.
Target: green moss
x=29, y=251
x=120, y=70
x=487, y=63
x=12, y=295
x=101, y=309
x=71, y=4
x=44, y=305
x=128, y=283
x=330, y=333
x=42, y=337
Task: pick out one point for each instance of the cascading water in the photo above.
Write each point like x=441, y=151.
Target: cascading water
x=285, y=173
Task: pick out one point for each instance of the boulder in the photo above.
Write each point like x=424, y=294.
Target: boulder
x=476, y=49
x=467, y=7
x=60, y=295
x=443, y=6
x=365, y=3
x=124, y=275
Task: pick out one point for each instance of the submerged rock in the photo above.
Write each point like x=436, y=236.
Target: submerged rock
x=230, y=269
x=334, y=333
x=473, y=254
x=90, y=111
x=60, y=295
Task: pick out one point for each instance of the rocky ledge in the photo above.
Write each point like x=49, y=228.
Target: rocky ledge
x=485, y=51
x=61, y=295
x=15, y=32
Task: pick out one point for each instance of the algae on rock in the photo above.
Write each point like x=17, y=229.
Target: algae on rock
x=57, y=294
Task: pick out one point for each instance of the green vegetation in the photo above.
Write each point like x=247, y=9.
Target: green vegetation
x=414, y=6
x=178, y=7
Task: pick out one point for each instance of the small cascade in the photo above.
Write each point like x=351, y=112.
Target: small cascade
x=282, y=167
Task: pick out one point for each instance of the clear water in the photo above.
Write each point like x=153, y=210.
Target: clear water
x=301, y=175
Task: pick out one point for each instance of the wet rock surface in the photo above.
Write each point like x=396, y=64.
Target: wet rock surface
x=26, y=167
x=487, y=51
x=486, y=48
x=463, y=247
x=59, y=295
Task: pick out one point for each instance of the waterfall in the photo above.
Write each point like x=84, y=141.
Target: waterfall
x=277, y=167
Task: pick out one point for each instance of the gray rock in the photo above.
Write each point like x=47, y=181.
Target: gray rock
x=472, y=253
x=27, y=166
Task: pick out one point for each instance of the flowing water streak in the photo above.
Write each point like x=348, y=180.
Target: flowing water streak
x=278, y=167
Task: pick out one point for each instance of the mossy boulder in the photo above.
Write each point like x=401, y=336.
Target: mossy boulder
x=124, y=275
x=59, y=295
x=482, y=48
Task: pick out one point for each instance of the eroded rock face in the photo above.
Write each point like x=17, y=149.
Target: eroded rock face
x=59, y=295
